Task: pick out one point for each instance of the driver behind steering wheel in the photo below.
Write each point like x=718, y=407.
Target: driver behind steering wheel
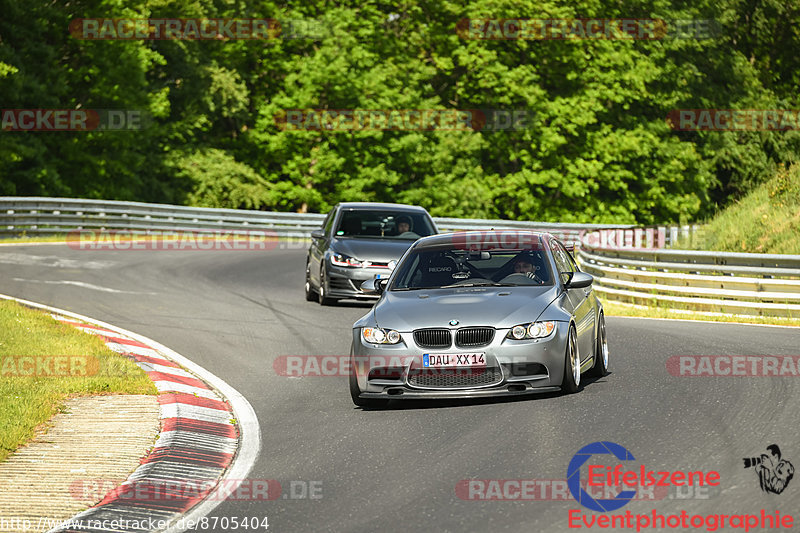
x=523, y=264
x=405, y=226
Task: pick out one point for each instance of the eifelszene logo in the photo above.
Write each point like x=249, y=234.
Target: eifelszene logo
x=574, y=476
x=606, y=464
x=617, y=477
x=774, y=473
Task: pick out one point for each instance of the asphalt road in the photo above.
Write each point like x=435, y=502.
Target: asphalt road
x=234, y=312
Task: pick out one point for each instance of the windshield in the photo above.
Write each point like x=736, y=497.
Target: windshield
x=383, y=224
x=451, y=267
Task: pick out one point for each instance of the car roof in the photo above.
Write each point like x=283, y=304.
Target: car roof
x=381, y=205
x=478, y=236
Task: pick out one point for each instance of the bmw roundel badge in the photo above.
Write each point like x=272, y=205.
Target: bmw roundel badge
x=454, y=322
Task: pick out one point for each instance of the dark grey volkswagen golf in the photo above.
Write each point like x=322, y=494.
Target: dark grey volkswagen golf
x=360, y=241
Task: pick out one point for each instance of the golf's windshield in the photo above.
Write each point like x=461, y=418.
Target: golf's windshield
x=400, y=225
x=442, y=268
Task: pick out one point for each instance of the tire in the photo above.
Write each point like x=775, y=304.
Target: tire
x=355, y=392
x=600, y=367
x=322, y=292
x=311, y=295
x=572, y=364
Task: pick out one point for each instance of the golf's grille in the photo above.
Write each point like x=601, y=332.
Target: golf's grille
x=432, y=338
x=377, y=264
x=454, y=378
x=471, y=337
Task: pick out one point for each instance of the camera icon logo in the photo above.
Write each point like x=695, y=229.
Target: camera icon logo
x=774, y=472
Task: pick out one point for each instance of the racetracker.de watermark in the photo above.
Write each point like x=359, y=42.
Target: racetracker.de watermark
x=296, y=366
x=182, y=240
x=586, y=29
x=136, y=522
x=392, y=367
x=45, y=366
x=496, y=240
x=557, y=490
x=73, y=119
x=196, y=29
x=734, y=366
x=349, y=120
x=734, y=119
x=173, y=490
x=637, y=238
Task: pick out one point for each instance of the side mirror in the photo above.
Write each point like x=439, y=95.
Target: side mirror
x=374, y=286
x=317, y=234
x=579, y=280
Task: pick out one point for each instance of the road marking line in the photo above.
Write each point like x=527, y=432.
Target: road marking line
x=82, y=285
x=52, y=261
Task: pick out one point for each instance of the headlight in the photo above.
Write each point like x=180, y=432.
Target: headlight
x=518, y=332
x=534, y=330
x=345, y=261
x=380, y=336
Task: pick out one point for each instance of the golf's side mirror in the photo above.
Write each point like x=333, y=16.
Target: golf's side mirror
x=317, y=234
x=374, y=286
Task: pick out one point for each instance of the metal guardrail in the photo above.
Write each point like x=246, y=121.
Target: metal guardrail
x=711, y=282
x=47, y=216
x=700, y=281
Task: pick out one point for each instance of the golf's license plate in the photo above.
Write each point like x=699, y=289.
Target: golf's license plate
x=446, y=360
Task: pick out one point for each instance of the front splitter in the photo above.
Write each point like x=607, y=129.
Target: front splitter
x=409, y=394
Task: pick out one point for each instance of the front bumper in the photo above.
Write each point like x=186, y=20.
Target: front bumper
x=346, y=282
x=516, y=368
x=495, y=392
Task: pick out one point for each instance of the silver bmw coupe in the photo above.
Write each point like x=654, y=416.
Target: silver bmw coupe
x=480, y=313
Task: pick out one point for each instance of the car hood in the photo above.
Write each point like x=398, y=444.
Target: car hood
x=501, y=307
x=384, y=250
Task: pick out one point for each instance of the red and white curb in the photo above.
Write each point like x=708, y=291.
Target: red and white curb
x=209, y=438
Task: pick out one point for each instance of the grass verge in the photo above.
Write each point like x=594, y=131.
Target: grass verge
x=612, y=308
x=43, y=362
x=766, y=220
x=32, y=239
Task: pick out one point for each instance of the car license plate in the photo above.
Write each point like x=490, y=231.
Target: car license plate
x=449, y=360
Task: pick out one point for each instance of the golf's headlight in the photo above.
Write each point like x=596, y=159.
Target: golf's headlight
x=380, y=336
x=534, y=330
x=345, y=261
